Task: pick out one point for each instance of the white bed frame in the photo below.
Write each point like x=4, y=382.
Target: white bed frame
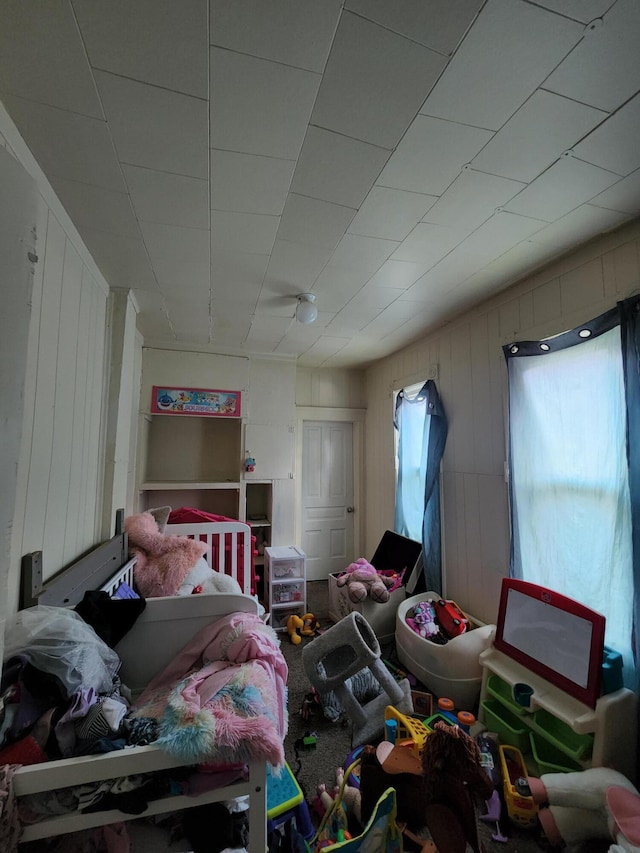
x=160, y=632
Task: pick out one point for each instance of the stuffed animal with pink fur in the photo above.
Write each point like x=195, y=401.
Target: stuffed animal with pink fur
x=362, y=580
x=162, y=562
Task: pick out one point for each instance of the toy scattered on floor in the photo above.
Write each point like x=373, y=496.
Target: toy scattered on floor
x=363, y=580
x=597, y=803
x=350, y=796
x=309, y=625
x=452, y=620
x=294, y=624
x=490, y=761
x=521, y=806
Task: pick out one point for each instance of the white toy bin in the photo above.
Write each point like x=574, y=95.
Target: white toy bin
x=451, y=670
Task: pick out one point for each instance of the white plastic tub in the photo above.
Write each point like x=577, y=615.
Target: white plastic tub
x=452, y=670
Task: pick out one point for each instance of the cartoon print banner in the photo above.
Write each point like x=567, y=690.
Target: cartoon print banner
x=195, y=401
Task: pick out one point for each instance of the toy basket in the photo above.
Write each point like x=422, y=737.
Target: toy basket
x=409, y=728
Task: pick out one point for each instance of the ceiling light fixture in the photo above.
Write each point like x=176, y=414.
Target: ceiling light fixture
x=307, y=310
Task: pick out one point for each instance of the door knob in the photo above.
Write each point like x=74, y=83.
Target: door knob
x=350, y=509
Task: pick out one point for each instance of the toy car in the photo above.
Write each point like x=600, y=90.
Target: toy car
x=452, y=620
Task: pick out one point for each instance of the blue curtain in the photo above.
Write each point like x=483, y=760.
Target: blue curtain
x=574, y=485
x=630, y=342
x=422, y=433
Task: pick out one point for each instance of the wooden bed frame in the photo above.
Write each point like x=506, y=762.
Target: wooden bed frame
x=163, y=628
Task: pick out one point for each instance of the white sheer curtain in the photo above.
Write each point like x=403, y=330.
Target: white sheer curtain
x=413, y=426
x=570, y=504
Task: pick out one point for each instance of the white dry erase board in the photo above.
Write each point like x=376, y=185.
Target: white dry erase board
x=552, y=635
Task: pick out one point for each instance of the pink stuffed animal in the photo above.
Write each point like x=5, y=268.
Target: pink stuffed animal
x=362, y=580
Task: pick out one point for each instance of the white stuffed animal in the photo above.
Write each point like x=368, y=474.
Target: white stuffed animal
x=597, y=803
x=203, y=576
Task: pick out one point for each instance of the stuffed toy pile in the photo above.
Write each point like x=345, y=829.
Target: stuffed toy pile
x=362, y=580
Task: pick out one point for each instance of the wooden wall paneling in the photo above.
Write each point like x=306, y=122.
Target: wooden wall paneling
x=471, y=571
x=461, y=426
x=509, y=320
x=547, y=304
x=42, y=440
x=77, y=491
x=497, y=400
x=58, y=491
x=31, y=378
x=480, y=390
x=96, y=391
x=493, y=511
x=582, y=287
x=621, y=270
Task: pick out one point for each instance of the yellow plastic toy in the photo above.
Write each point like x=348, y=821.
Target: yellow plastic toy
x=521, y=806
x=294, y=624
x=409, y=729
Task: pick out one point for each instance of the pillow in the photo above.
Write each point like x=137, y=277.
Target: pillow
x=203, y=575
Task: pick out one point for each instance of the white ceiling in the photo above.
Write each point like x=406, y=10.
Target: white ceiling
x=401, y=159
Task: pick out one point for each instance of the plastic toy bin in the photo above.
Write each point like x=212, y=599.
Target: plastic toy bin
x=507, y=726
x=451, y=670
x=500, y=689
x=562, y=736
x=548, y=758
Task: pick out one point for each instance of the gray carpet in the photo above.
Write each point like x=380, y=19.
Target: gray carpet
x=333, y=741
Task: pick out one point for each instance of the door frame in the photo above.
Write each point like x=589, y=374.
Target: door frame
x=356, y=417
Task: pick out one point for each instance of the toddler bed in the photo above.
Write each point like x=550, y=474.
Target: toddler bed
x=162, y=630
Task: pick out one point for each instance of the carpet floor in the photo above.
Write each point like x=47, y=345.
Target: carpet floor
x=333, y=746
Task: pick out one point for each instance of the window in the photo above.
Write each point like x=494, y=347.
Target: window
x=421, y=432
x=571, y=507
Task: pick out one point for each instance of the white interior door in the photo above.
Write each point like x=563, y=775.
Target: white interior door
x=327, y=497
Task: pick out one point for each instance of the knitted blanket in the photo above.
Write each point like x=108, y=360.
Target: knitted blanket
x=223, y=700
x=162, y=562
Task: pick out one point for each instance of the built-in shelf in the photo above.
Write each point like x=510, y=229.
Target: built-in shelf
x=159, y=485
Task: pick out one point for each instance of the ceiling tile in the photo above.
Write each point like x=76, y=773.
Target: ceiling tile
x=438, y=24
x=352, y=318
x=336, y=286
x=267, y=330
x=322, y=349
x=152, y=321
x=67, y=144
x=233, y=271
x=372, y=296
x=374, y=82
x=362, y=253
x=536, y=135
x=396, y=275
x=511, y=48
x=296, y=264
x=261, y=107
x=388, y=320
x=243, y=232
x=294, y=33
x=471, y=199
x=277, y=300
x=309, y=220
x=615, y=144
x=450, y=147
x=190, y=321
x=247, y=183
x=623, y=196
x=168, y=199
x=154, y=127
x=389, y=213
x=42, y=58
x=155, y=41
x=96, y=207
x=499, y=234
x=579, y=225
x=180, y=256
x=337, y=169
x=581, y=10
x=123, y=261
x=603, y=70
x=427, y=244
x=565, y=185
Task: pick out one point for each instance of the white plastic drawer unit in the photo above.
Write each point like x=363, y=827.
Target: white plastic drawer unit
x=285, y=562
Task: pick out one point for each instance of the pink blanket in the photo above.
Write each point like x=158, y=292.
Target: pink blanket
x=223, y=697
x=162, y=562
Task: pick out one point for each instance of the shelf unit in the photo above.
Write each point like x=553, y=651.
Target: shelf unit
x=575, y=735
x=192, y=461
x=285, y=584
x=259, y=508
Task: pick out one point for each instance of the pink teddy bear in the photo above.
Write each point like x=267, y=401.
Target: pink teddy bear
x=362, y=580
